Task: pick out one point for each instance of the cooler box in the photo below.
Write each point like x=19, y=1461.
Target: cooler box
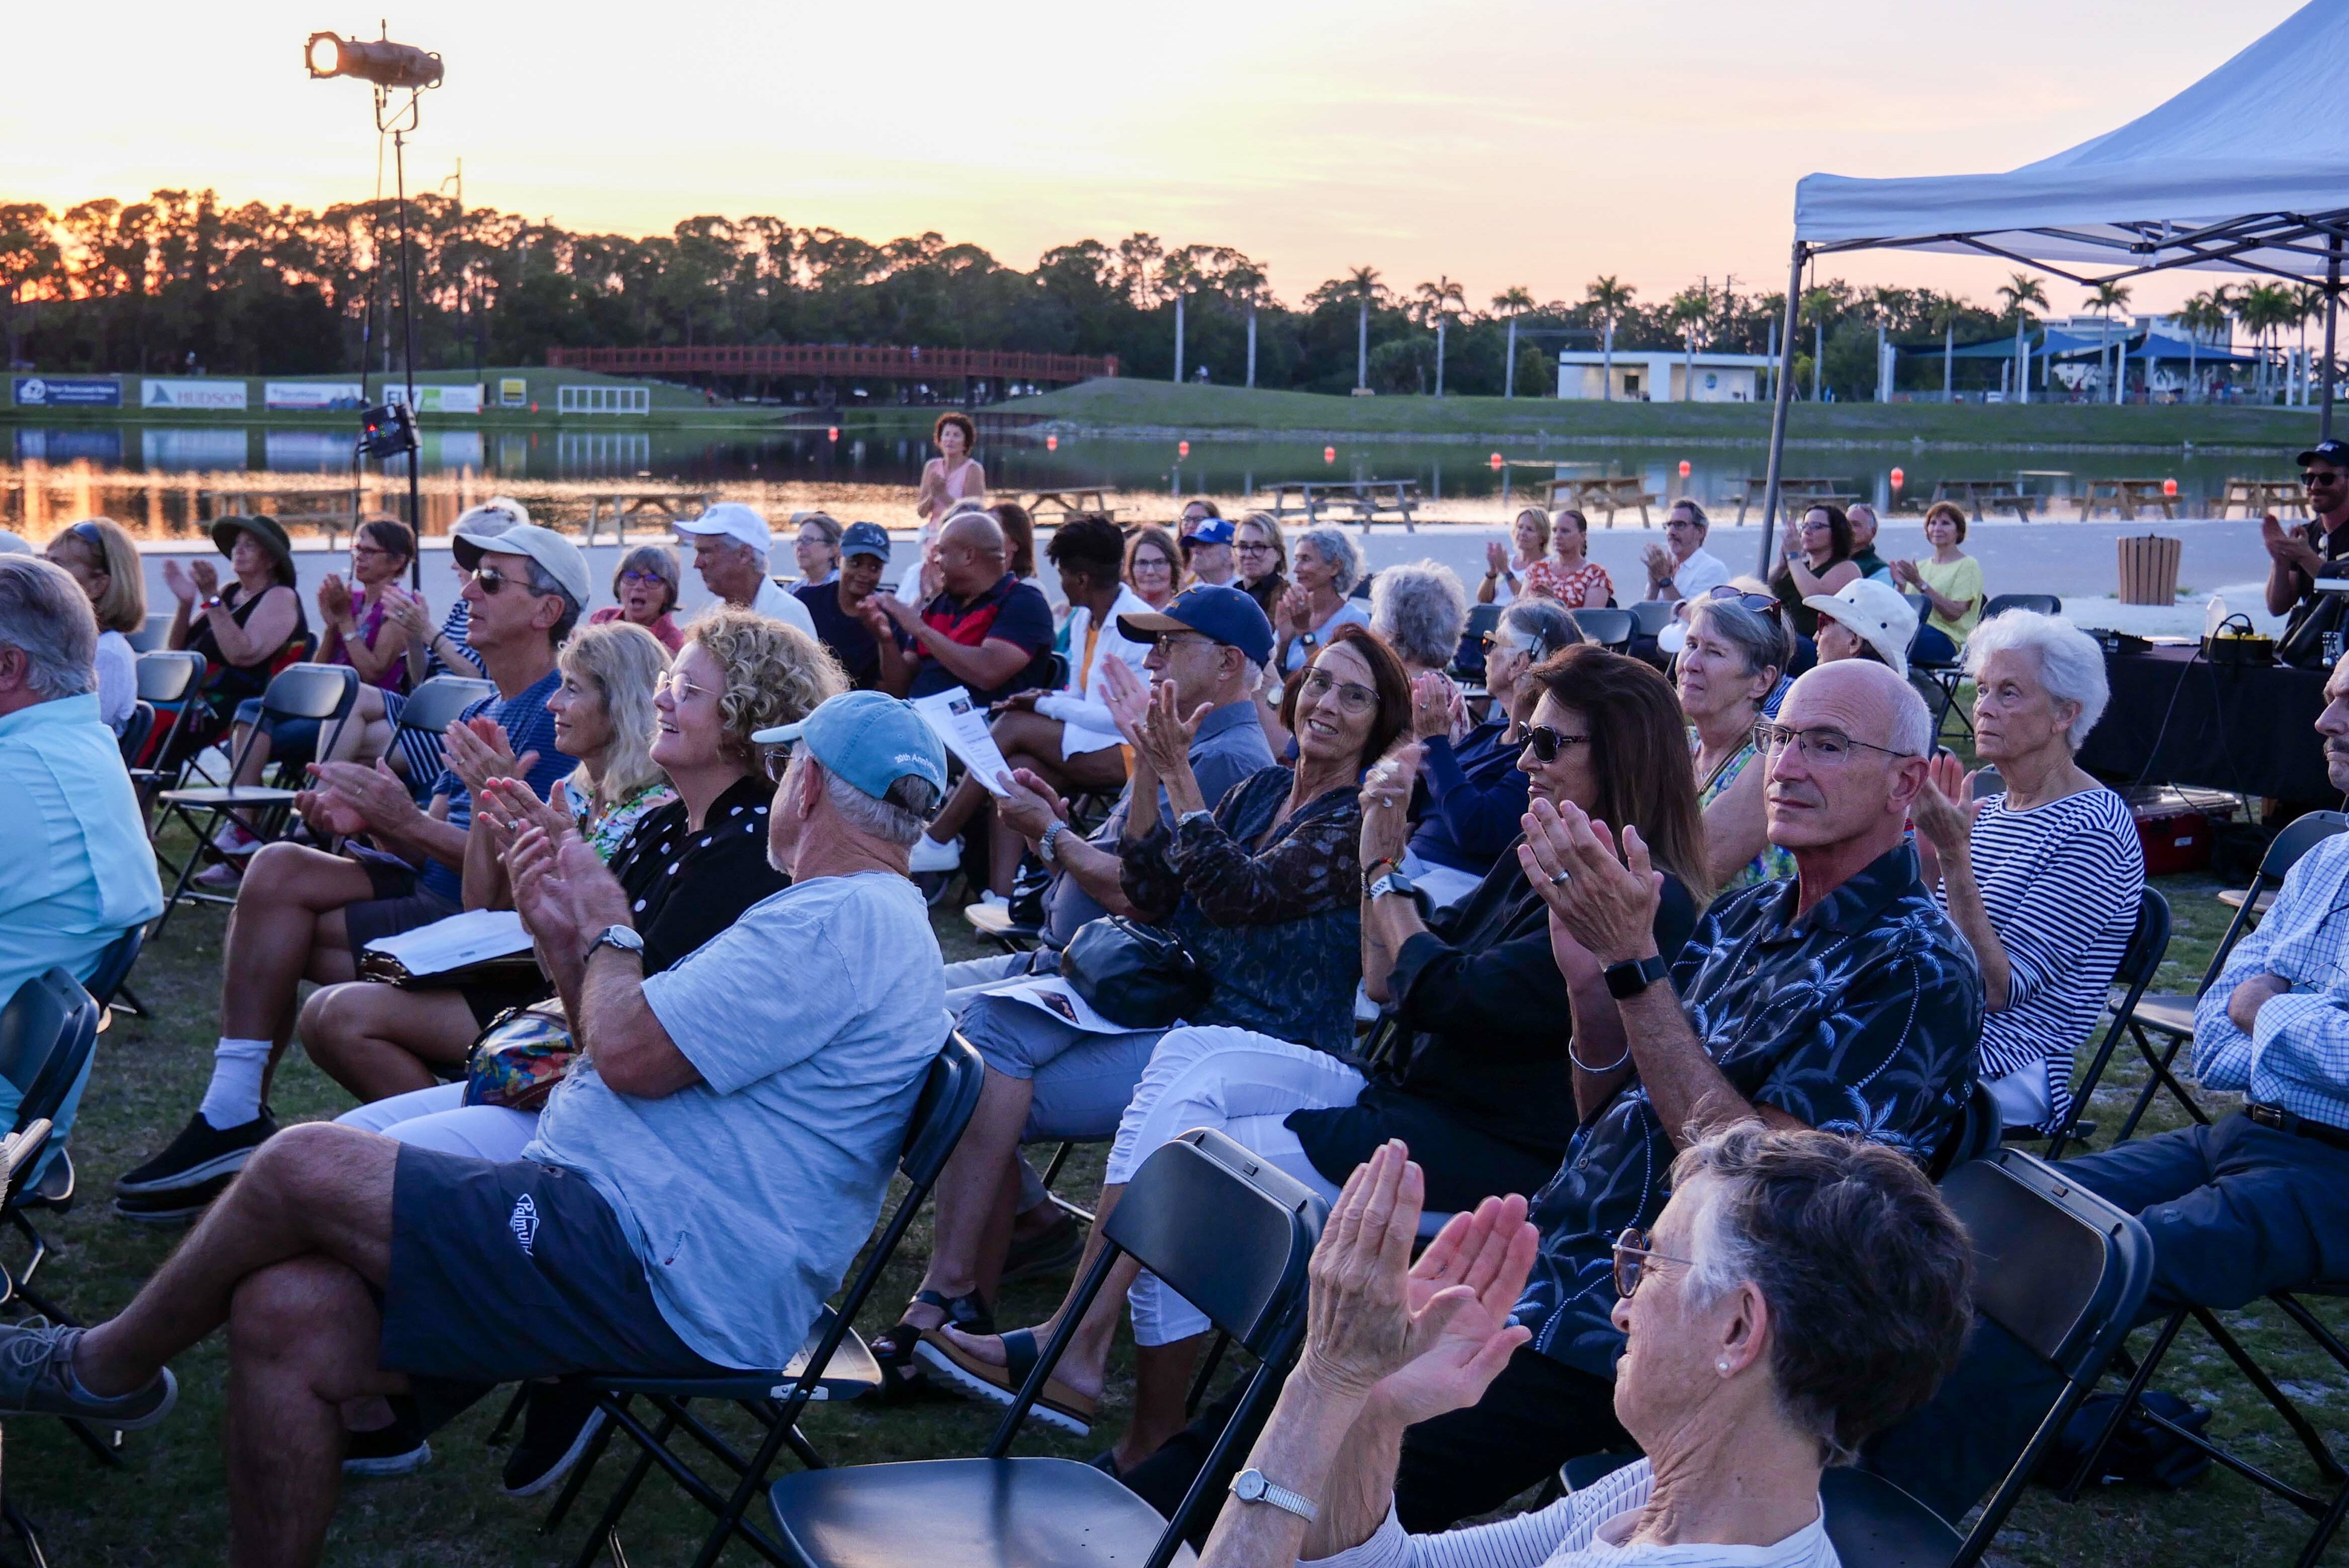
x=2175, y=836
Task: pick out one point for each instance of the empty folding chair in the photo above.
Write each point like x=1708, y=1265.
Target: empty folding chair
x=1607, y=627
x=47, y=1033
x=167, y=683
x=1219, y=1225
x=835, y=1365
x=151, y=637
x=2148, y=945
x=324, y=692
x=2172, y=1015
x=2045, y=604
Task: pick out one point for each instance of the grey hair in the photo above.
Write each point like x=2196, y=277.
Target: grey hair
x=1333, y=547
x=543, y=581
x=1696, y=512
x=1544, y=618
x=45, y=616
x=2071, y=665
x=898, y=818
x=1419, y=608
x=1759, y=639
x=658, y=560
x=494, y=516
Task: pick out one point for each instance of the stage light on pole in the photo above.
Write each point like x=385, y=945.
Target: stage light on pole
x=377, y=60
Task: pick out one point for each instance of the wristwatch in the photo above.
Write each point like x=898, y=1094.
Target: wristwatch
x=1252, y=1486
x=1390, y=882
x=1205, y=813
x=1044, y=845
x=627, y=938
x=1633, y=976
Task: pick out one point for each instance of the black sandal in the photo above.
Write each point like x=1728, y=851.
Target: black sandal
x=894, y=1347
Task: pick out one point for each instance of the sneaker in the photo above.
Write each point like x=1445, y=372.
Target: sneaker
x=560, y=1421
x=36, y=1379
x=1053, y=1250
x=224, y=878
x=930, y=855
x=199, y=1153
x=175, y=1207
x=397, y=1450
x=233, y=839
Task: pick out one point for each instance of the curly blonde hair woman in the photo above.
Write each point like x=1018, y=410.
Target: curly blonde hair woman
x=775, y=674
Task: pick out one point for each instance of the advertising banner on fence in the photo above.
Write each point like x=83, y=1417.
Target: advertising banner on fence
x=438, y=399
x=314, y=395
x=158, y=393
x=68, y=393
x=513, y=392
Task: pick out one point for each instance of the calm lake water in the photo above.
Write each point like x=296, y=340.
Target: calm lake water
x=163, y=480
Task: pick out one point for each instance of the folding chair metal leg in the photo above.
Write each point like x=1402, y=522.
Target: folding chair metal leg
x=1051, y=1172
x=582, y=1470
x=2278, y=1400
x=504, y=1429
x=1207, y=1370
x=2158, y=1066
x=2142, y=1375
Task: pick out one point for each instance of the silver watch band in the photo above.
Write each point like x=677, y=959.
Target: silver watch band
x=1252, y=1485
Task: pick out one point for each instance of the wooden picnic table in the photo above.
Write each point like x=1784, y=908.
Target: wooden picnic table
x=1790, y=490
x=1983, y=497
x=1366, y=499
x=2126, y=494
x=1069, y=504
x=328, y=509
x=1611, y=493
x=632, y=506
x=2259, y=496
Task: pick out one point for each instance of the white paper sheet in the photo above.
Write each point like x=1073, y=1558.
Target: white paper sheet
x=452, y=943
x=1058, y=998
x=961, y=726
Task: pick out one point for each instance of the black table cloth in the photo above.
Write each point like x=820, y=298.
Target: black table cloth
x=2175, y=718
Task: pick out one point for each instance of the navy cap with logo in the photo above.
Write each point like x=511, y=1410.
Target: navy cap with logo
x=2335, y=453
x=1226, y=614
x=1210, y=531
x=865, y=539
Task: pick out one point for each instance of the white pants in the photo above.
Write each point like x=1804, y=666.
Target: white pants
x=1244, y=1085
x=2025, y=1099
x=439, y=1118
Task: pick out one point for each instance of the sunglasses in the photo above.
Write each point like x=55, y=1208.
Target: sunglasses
x=491, y=580
x=1760, y=604
x=1546, y=743
x=1632, y=1257
x=88, y=534
x=2322, y=476
x=642, y=578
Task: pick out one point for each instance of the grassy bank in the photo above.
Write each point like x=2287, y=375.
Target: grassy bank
x=1127, y=404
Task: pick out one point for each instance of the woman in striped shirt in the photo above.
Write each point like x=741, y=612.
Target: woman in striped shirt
x=2044, y=877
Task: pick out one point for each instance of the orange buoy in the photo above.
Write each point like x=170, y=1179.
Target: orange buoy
x=2169, y=488
x=1684, y=468
x=1899, y=478
x=1328, y=454
x=1182, y=449
x=1052, y=443
x=1496, y=460
x=833, y=433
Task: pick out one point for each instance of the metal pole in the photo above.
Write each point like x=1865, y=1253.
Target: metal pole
x=1778, y=412
x=407, y=314
x=2332, y=311
x=1251, y=378
x=1178, y=339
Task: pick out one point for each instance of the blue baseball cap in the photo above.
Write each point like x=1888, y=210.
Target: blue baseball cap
x=1210, y=531
x=869, y=738
x=1226, y=614
x=865, y=539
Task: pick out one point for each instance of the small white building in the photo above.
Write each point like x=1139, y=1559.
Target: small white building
x=1662, y=376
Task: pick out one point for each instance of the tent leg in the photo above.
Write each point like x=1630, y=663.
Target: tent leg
x=2332, y=315
x=1779, y=411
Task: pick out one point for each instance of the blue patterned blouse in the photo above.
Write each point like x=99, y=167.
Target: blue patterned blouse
x=1863, y=1017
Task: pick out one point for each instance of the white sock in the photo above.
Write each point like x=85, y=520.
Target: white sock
x=233, y=1096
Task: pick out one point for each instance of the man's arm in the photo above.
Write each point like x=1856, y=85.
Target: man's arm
x=632, y=1052
x=984, y=668
x=1097, y=872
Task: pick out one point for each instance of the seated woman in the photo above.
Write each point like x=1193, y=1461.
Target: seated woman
x=647, y=587
x=690, y=867
x=2044, y=877
x=1153, y=567
x=1952, y=582
x=1504, y=572
x=1735, y=650
x=1815, y=558
x=1262, y=554
x=101, y=557
x=1473, y=790
x=1570, y=576
x=1759, y=1350
x=1864, y=619
x=1263, y=887
x=244, y=630
x=1418, y=610
x=1479, y=1078
x=815, y=546
x=1067, y=738
x=1324, y=567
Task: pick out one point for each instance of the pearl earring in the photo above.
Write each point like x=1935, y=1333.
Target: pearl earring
x=1723, y=1365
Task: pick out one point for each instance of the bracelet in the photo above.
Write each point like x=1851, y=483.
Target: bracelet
x=1588, y=1067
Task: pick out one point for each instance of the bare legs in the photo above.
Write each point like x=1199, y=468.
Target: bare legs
x=376, y=1040
x=970, y=1191
x=1033, y=741
x=287, y=926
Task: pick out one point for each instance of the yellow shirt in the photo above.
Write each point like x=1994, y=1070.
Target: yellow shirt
x=1960, y=579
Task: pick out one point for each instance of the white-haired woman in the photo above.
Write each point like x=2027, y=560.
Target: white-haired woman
x=2043, y=878
x=1323, y=568
x=1757, y=1353
x=1420, y=610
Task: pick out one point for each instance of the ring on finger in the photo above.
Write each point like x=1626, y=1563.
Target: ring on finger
x=1560, y=878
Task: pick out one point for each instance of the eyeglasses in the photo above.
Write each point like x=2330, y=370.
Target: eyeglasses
x=1546, y=743
x=1248, y=549
x=1828, y=748
x=1632, y=1256
x=1760, y=604
x=363, y=548
x=490, y=580
x=677, y=687
x=1822, y=522
x=643, y=579
x=1352, y=697
x=775, y=761
x=1153, y=563
x=1168, y=641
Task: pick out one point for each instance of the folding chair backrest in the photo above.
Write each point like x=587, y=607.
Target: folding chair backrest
x=2299, y=835
x=434, y=706
x=114, y=965
x=1974, y=1135
x=1607, y=627
x=132, y=741
x=2056, y=1266
x=949, y=1095
x=2045, y=604
x=1468, y=659
x=2148, y=945
x=319, y=691
x=1987, y=782
x=47, y=1030
x=1224, y=1229
x=150, y=636
x=1652, y=615
x=170, y=676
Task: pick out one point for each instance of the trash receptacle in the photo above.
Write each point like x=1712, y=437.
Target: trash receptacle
x=2149, y=569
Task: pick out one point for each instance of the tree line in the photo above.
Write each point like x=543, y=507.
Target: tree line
x=184, y=280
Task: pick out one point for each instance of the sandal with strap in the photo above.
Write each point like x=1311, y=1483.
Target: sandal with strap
x=894, y=1347
x=1057, y=1404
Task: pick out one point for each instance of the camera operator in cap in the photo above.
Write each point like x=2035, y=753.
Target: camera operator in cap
x=2317, y=548
x=730, y=543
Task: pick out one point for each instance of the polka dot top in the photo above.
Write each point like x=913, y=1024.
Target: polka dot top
x=683, y=886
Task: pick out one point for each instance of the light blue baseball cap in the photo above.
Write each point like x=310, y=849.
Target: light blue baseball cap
x=869, y=738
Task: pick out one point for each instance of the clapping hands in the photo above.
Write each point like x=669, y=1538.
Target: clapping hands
x=1606, y=903
x=478, y=751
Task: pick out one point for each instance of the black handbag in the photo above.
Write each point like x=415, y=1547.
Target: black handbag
x=1139, y=976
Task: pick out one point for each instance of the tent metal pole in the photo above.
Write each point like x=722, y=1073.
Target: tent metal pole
x=1778, y=411
x=2332, y=315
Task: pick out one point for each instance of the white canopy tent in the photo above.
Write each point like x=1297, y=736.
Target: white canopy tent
x=2246, y=171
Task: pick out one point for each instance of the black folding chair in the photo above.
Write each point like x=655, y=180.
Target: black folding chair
x=109, y=983
x=1975, y=1136
x=2172, y=1015
x=430, y=709
x=17, y=1151
x=1468, y=660
x=1936, y=678
x=1229, y=1232
x=1607, y=627
x=136, y=730
x=2062, y=1270
x=1649, y=617
x=2045, y=604
x=167, y=683
x=324, y=692
x=2141, y=961
x=834, y=1365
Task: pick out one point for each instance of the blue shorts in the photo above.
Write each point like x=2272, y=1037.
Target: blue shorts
x=506, y=1272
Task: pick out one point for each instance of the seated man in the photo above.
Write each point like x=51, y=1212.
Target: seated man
x=302, y=913
x=81, y=872
x=2299, y=557
x=986, y=631
x=1682, y=569
x=1843, y=1000
x=730, y=543
x=699, y=1182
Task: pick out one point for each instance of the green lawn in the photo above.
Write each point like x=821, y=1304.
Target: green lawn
x=166, y=1506
x=1123, y=402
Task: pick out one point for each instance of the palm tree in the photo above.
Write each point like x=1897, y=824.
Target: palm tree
x=1437, y=300
x=2309, y=300
x=1362, y=283
x=1178, y=276
x=1819, y=304
x=1516, y=300
x=1689, y=310
x=2264, y=308
x=2201, y=312
x=1245, y=283
x=1609, y=300
x=2020, y=291
x=2105, y=297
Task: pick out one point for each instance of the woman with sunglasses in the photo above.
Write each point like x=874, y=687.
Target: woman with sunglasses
x=1727, y=671
x=1264, y=889
x=1816, y=560
x=100, y=558
x=1153, y=567
x=1799, y=1292
x=647, y=587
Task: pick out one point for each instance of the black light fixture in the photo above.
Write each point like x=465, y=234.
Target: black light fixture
x=377, y=60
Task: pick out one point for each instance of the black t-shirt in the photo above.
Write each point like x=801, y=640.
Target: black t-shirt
x=849, y=640
x=2332, y=547
x=1014, y=611
x=684, y=888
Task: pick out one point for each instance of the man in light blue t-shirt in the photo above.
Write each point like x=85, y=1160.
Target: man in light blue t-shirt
x=699, y=1183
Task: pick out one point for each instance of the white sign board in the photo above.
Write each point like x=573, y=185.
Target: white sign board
x=158, y=393
x=438, y=399
x=317, y=395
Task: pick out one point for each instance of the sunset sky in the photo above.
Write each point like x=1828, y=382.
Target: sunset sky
x=1499, y=141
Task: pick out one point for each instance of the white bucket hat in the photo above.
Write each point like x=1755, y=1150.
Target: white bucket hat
x=1877, y=613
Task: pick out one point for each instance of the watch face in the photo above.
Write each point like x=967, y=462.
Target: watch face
x=1249, y=1486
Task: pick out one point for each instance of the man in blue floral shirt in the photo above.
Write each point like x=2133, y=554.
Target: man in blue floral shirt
x=1843, y=1000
